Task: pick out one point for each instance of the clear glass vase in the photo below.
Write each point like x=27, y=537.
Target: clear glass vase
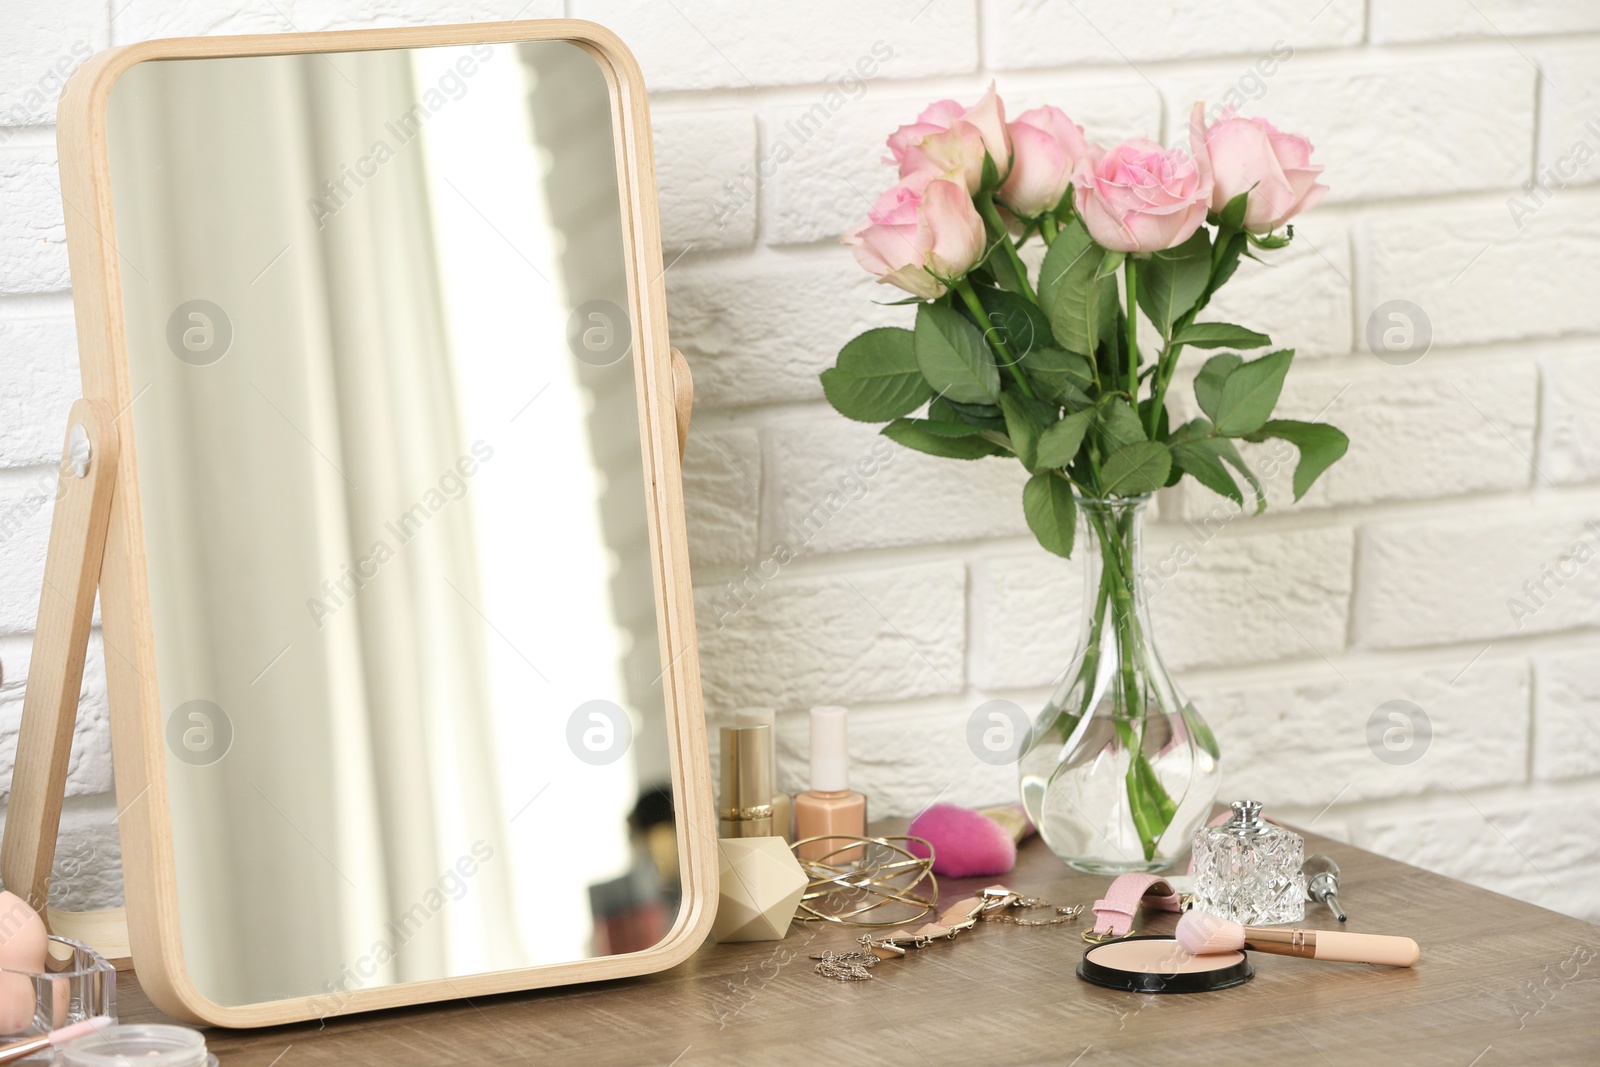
x=1120, y=770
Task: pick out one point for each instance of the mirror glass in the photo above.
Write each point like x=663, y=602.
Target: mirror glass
x=387, y=430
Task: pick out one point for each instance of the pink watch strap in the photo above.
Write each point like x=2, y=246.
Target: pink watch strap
x=1114, y=914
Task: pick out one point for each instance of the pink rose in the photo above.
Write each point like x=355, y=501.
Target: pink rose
x=1253, y=156
x=949, y=141
x=1046, y=146
x=1140, y=197
x=922, y=235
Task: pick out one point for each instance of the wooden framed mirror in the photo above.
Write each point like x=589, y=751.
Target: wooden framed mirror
x=382, y=431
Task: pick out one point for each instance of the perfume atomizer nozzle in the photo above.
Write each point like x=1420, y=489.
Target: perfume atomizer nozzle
x=1322, y=883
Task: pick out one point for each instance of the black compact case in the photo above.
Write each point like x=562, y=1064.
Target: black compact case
x=1105, y=972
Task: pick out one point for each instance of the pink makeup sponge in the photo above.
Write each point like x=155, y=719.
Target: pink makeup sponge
x=965, y=844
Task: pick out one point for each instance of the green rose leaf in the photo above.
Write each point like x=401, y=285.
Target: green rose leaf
x=1025, y=421
x=1233, y=211
x=953, y=357
x=1208, y=383
x=1220, y=335
x=983, y=416
x=1224, y=448
x=1135, y=468
x=1230, y=455
x=1113, y=326
x=1051, y=513
x=1171, y=281
x=1320, y=447
x=877, y=377
x=1250, y=392
x=946, y=440
x=1070, y=289
x=991, y=174
x=941, y=427
x=1014, y=319
x=1048, y=360
x=1058, y=444
x=1117, y=423
x=1192, y=430
x=1064, y=377
x=1110, y=264
x=1203, y=459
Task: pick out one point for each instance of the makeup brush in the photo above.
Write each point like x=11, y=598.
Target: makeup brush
x=14, y=1052
x=1204, y=935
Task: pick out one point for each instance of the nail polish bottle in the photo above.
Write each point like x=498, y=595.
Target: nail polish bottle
x=782, y=805
x=829, y=806
x=745, y=807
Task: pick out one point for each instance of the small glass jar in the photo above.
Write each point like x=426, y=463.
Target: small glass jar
x=1248, y=870
x=148, y=1045
x=77, y=984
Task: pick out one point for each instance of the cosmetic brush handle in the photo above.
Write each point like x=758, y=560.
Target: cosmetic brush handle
x=12, y=1053
x=1367, y=948
x=1334, y=945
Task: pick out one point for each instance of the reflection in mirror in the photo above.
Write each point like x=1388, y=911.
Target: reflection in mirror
x=394, y=512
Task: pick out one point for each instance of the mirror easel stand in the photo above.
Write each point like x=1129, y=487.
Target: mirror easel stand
x=73, y=560
x=55, y=677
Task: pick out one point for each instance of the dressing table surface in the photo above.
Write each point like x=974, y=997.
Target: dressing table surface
x=1500, y=982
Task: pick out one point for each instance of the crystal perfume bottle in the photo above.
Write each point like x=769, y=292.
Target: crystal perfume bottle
x=1248, y=870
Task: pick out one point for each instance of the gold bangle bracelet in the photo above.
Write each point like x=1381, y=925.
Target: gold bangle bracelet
x=887, y=874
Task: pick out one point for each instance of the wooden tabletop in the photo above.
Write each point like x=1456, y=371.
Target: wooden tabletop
x=1500, y=982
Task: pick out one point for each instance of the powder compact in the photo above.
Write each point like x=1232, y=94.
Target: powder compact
x=1154, y=964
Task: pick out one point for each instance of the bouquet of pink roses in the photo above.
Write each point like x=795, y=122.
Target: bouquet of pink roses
x=1050, y=370
x=1119, y=769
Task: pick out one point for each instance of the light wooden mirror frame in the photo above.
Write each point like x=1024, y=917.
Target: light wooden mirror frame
x=98, y=510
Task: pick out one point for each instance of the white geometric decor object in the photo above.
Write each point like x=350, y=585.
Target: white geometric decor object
x=762, y=884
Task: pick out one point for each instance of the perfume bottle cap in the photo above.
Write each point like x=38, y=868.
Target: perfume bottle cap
x=830, y=750
x=746, y=772
x=1246, y=818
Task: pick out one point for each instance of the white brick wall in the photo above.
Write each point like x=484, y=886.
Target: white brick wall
x=1022, y=33
x=915, y=593
x=713, y=44
x=1308, y=737
x=1569, y=440
x=1477, y=274
x=697, y=155
x=1436, y=20
x=749, y=324
x=33, y=235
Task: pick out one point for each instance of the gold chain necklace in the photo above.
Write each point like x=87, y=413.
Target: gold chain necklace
x=988, y=906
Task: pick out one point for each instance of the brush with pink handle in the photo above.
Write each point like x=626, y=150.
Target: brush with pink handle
x=1205, y=935
x=28, y=1047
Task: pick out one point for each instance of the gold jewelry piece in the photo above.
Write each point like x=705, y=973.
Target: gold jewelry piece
x=846, y=966
x=990, y=905
x=1062, y=915
x=886, y=878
